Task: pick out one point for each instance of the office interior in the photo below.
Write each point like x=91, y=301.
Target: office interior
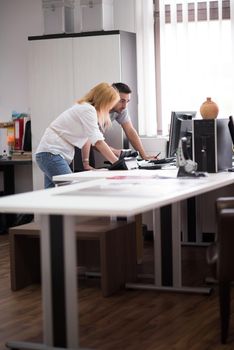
x=129, y=319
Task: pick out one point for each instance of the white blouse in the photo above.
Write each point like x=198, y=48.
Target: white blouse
x=71, y=128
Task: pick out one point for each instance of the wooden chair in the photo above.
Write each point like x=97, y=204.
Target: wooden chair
x=222, y=254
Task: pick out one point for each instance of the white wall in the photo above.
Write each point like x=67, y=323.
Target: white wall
x=20, y=19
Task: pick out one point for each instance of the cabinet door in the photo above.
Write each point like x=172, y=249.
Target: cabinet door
x=50, y=87
x=98, y=59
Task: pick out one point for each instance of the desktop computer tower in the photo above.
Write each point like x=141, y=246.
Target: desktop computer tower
x=212, y=144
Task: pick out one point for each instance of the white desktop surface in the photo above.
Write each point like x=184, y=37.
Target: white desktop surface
x=134, y=192
x=110, y=193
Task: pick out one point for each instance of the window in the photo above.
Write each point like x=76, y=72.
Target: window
x=194, y=56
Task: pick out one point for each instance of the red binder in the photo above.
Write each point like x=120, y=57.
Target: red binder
x=19, y=133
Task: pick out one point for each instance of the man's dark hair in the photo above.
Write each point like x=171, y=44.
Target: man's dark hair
x=122, y=88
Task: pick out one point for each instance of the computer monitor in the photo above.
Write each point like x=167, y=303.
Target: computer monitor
x=181, y=126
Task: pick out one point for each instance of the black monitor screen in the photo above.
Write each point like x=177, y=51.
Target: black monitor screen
x=181, y=126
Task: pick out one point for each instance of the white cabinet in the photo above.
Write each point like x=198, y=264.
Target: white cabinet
x=64, y=67
x=96, y=59
x=50, y=86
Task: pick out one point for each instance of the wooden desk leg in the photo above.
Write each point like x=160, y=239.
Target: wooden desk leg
x=24, y=260
x=118, y=258
x=112, y=260
x=139, y=236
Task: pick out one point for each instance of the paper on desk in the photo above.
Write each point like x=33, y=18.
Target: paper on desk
x=126, y=177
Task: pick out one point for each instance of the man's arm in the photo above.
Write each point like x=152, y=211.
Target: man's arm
x=134, y=139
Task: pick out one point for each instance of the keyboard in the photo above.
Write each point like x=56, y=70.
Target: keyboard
x=163, y=160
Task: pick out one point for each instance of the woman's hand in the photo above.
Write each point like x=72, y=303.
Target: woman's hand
x=105, y=150
x=88, y=167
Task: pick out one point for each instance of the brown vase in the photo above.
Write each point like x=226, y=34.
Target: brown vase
x=209, y=109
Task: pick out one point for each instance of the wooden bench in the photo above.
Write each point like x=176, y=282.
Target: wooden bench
x=110, y=245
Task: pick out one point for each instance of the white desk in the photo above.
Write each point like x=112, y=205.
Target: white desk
x=168, y=194
x=102, y=197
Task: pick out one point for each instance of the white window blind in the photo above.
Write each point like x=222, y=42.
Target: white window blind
x=196, y=56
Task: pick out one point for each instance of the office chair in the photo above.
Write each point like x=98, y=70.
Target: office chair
x=222, y=254
x=77, y=164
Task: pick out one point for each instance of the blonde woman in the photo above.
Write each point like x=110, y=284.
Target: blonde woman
x=74, y=127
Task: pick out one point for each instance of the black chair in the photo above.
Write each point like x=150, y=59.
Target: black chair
x=77, y=164
x=222, y=255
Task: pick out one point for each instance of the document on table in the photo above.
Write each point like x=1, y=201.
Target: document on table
x=137, y=186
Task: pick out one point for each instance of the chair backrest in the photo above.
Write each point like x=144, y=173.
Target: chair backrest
x=225, y=238
x=77, y=164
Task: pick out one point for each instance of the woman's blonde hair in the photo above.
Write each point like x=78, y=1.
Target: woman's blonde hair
x=102, y=96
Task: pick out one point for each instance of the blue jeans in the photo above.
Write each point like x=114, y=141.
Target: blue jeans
x=51, y=165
